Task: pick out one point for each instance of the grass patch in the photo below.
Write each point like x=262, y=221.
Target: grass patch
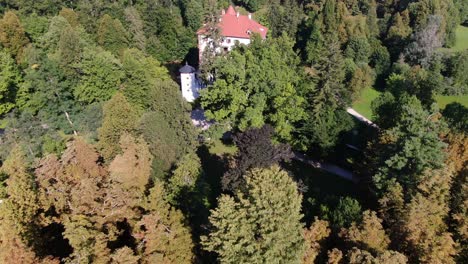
x=217, y=147
x=3, y=123
x=363, y=104
x=443, y=100
x=461, y=40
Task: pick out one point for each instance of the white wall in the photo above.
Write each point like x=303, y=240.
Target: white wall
x=189, y=86
x=228, y=42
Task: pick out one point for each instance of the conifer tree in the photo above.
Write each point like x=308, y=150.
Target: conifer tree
x=245, y=229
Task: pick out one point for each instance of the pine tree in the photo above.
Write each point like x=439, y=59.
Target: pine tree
x=246, y=231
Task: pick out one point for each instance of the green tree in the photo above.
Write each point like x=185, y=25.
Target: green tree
x=244, y=228
x=10, y=79
x=136, y=28
x=112, y=35
x=256, y=85
x=118, y=117
x=101, y=76
x=414, y=146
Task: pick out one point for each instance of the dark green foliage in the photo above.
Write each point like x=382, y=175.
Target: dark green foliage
x=358, y=49
x=347, y=211
x=414, y=145
x=458, y=69
x=455, y=115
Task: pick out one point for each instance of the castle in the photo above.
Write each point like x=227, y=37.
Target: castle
x=234, y=28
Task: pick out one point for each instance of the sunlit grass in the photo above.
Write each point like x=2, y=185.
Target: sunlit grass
x=363, y=104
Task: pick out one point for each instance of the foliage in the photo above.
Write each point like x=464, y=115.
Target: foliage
x=245, y=231
x=10, y=79
x=255, y=150
x=118, y=117
x=12, y=35
x=101, y=76
x=254, y=86
x=313, y=237
x=112, y=35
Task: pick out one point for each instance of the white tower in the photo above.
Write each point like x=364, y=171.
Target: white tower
x=189, y=83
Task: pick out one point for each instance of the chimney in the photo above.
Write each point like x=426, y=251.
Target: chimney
x=250, y=16
x=223, y=12
x=237, y=14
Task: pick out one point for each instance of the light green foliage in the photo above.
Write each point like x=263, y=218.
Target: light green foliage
x=256, y=85
x=261, y=223
x=118, y=117
x=35, y=26
x=185, y=176
x=10, y=79
x=112, y=35
x=101, y=76
x=142, y=75
x=166, y=238
x=49, y=41
x=69, y=48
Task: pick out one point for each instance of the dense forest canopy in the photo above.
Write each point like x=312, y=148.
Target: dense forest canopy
x=100, y=161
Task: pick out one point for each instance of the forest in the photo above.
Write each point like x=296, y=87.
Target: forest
x=100, y=161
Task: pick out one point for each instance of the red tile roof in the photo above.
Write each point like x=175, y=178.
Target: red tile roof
x=238, y=26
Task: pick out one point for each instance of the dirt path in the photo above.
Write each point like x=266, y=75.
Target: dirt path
x=331, y=168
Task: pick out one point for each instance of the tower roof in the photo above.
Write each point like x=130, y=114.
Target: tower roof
x=187, y=69
x=232, y=24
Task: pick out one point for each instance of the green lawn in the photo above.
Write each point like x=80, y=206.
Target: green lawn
x=461, y=42
x=363, y=104
x=3, y=123
x=443, y=100
x=217, y=147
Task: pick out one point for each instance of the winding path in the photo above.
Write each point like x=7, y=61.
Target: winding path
x=360, y=117
x=331, y=168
